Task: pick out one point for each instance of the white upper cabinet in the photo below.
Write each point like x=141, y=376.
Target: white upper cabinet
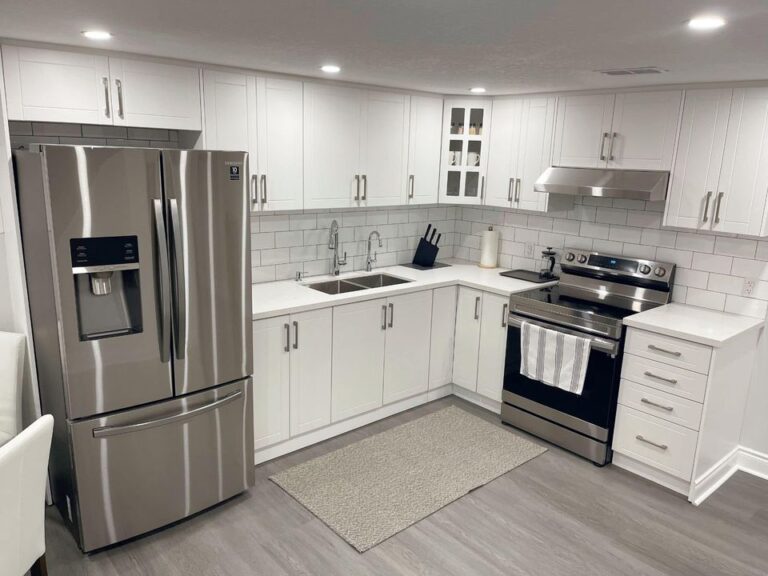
x=631, y=131
x=583, y=129
x=384, y=148
x=54, y=86
x=60, y=86
x=424, y=149
x=466, y=125
x=332, y=120
x=281, y=144
x=504, y=144
x=153, y=95
x=230, y=113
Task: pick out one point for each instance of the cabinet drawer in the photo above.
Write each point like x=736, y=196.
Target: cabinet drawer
x=660, y=404
x=674, y=351
x=677, y=381
x=655, y=442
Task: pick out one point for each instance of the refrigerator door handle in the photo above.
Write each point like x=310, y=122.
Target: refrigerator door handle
x=180, y=324
x=164, y=280
x=138, y=426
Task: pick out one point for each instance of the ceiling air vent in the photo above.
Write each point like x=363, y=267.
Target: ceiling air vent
x=633, y=71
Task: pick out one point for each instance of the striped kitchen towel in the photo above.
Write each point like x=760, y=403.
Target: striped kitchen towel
x=554, y=358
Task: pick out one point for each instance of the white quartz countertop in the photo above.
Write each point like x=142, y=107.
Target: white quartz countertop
x=695, y=324
x=288, y=296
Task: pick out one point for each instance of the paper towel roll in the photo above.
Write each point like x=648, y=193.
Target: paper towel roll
x=489, y=249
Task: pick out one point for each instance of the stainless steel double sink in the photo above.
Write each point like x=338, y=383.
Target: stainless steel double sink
x=356, y=283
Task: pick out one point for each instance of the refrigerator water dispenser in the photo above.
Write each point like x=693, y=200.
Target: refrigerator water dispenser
x=107, y=286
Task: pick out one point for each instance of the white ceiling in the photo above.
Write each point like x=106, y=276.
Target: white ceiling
x=447, y=46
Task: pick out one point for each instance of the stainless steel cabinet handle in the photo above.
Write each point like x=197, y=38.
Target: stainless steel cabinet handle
x=254, y=192
x=671, y=352
x=139, y=426
x=477, y=308
x=482, y=186
x=295, y=335
x=602, y=145
x=509, y=189
x=667, y=380
x=655, y=405
x=504, y=315
x=120, y=111
x=365, y=187
x=107, y=110
x=263, y=190
x=164, y=275
x=662, y=446
x=384, y=317
x=179, y=280
x=411, y=184
x=706, y=207
x=357, y=187
x=287, y=337
x=717, y=209
x=391, y=315
x=610, y=148
x=517, y=190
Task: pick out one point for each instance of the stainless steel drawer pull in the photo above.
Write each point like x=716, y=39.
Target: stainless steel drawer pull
x=384, y=317
x=657, y=377
x=295, y=335
x=139, y=426
x=391, y=315
x=655, y=405
x=706, y=207
x=287, y=337
x=651, y=442
x=477, y=308
x=504, y=315
x=670, y=352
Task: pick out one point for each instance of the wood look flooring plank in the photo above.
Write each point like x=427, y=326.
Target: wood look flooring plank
x=555, y=515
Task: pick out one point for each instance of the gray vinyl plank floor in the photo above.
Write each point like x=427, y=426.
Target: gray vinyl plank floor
x=555, y=515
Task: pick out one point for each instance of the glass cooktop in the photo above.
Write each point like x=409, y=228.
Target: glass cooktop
x=567, y=297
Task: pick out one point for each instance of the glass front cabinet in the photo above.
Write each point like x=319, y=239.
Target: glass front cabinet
x=466, y=125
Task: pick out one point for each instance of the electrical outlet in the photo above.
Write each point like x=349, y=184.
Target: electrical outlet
x=748, y=287
x=529, y=247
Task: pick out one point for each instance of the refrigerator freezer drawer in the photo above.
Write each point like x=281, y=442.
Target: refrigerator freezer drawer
x=142, y=469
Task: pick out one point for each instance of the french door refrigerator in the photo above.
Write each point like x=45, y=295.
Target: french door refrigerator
x=138, y=274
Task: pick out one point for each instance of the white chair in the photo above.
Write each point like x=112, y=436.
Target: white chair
x=11, y=370
x=23, y=472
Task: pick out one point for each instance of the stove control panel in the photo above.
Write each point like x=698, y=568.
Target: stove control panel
x=583, y=261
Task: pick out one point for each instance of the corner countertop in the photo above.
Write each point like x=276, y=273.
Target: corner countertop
x=709, y=327
x=288, y=296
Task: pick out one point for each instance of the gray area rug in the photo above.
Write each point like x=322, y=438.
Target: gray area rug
x=374, y=488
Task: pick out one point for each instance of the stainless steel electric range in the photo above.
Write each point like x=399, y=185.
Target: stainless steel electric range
x=595, y=292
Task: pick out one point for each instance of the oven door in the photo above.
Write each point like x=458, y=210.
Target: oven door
x=592, y=412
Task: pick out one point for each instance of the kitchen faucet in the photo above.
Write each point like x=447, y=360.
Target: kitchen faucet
x=333, y=244
x=370, y=260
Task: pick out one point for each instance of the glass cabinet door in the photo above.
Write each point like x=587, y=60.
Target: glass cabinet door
x=465, y=149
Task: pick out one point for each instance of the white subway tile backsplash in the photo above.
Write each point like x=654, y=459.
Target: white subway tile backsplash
x=692, y=278
x=611, y=216
x=275, y=223
x=736, y=247
x=746, y=306
x=303, y=221
x=695, y=242
x=705, y=299
x=262, y=241
x=762, y=250
x=625, y=234
x=288, y=239
x=725, y=283
x=592, y=230
x=665, y=238
x=712, y=263
x=275, y=256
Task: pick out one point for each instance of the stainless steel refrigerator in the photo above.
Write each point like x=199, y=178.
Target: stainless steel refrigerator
x=139, y=281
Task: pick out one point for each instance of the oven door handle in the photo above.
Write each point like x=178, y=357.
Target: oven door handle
x=601, y=344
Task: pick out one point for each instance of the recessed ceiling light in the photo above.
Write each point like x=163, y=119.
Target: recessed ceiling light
x=477, y=90
x=97, y=34
x=330, y=69
x=709, y=22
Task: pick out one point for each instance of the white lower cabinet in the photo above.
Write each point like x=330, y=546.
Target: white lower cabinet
x=442, y=337
x=359, y=333
x=271, y=381
x=466, y=352
x=493, y=346
x=406, y=358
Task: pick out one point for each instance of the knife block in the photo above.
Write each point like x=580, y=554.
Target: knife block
x=425, y=254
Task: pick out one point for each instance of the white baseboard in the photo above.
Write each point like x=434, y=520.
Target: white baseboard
x=650, y=473
x=712, y=479
x=753, y=462
x=475, y=398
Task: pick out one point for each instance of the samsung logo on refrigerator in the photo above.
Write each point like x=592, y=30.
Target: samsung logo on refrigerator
x=234, y=171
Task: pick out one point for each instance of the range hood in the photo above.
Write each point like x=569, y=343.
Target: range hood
x=649, y=185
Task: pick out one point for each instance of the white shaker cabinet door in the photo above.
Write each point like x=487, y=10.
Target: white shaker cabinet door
x=443, y=331
x=56, y=86
x=332, y=122
x=230, y=113
x=424, y=149
x=739, y=206
x=503, y=153
x=644, y=130
x=271, y=381
x=406, y=358
x=153, y=95
x=536, y=132
x=311, y=370
x=466, y=352
x=582, y=130
x=695, y=174
x=281, y=144
x=359, y=331
x=493, y=346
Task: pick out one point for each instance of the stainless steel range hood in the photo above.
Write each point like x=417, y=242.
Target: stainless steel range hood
x=649, y=185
